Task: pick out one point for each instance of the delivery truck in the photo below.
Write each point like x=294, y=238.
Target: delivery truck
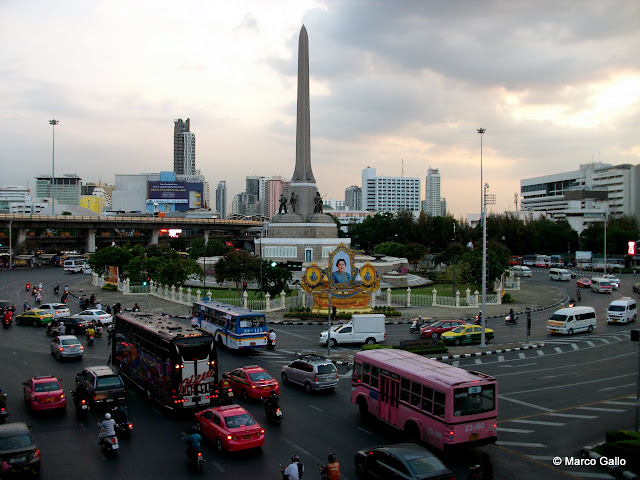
x=362, y=328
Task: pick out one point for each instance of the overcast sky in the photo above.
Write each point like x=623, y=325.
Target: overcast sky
x=398, y=86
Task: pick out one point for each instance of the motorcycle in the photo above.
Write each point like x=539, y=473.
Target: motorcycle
x=196, y=461
x=90, y=339
x=572, y=303
x=124, y=426
x=579, y=295
x=478, y=319
x=28, y=286
x=6, y=322
x=81, y=404
x=511, y=321
x=56, y=289
x=3, y=408
x=271, y=344
x=273, y=412
x=226, y=396
x=99, y=331
x=109, y=445
x=417, y=325
x=34, y=290
x=26, y=306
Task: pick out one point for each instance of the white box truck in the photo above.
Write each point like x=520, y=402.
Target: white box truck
x=363, y=328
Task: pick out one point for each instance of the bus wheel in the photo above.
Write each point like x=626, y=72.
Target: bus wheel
x=412, y=432
x=363, y=408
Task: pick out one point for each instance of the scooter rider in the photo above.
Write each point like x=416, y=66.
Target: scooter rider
x=271, y=338
x=294, y=470
x=271, y=404
x=578, y=295
x=90, y=332
x=512, y=315
x=331, y=471
x=193, y=442
x=107, y=427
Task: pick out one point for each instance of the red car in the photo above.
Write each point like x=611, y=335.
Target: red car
x=583, y=282
x=438, y=328
x=252, y=381
x=44, y=393
x=231, y=427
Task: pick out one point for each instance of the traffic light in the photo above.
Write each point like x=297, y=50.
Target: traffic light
x=631, y=250
x=274, y=263
x=244, y=286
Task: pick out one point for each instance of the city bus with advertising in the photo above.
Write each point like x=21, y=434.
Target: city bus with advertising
x=439, y=404
x=75, y=265
x=174, y=365
x=236, y=328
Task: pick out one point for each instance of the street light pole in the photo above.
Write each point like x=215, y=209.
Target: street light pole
x=484, y=264
x=53, y=123
x=605, y=241
x=481, y=132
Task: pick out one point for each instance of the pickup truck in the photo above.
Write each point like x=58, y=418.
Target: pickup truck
x=101, y=385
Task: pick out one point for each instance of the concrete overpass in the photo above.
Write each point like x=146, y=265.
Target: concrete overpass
x=87, y=226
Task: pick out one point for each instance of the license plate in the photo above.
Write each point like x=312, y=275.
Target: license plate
x=278, y=413
x=49, y=399
x=196, y=399
x=473, y=436
x=553, y=331
x=266, y=386
x=246, y=437
x=115, y=446
x=109, y=400
x=253, y=344
x=231, y=394
x=84, y=407
x=20, y=459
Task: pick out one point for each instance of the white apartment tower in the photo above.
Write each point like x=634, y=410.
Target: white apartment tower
x=221, y=199
x=389, y=194
x=432, y=195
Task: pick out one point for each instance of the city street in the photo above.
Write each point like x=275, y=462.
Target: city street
x=553, y=400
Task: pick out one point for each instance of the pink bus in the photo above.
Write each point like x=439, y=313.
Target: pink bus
x=436, y=403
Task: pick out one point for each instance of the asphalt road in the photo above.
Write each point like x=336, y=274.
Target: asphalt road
x=553, y=400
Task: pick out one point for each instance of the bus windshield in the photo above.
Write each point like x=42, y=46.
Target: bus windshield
x=249, y=322
x=474, y=399
x=194, y=351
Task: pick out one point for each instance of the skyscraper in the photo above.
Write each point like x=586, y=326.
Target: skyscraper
x=353, y=198
x=432, y=196
x=184, y=148
x=221, y=199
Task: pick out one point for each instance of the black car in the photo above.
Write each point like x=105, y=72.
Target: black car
x=4, y=304
x=404, y=460
x=72, y=326
x=18, y=449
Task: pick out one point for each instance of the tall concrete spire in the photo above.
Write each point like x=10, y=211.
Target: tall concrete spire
x=303, y=172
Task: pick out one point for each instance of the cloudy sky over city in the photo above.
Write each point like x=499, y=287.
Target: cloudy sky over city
x=398, y=86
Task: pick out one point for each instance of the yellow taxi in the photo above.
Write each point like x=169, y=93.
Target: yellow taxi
x=465, y=334
x=34, y=317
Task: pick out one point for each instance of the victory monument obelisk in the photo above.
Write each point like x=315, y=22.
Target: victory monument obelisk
x=304, y=233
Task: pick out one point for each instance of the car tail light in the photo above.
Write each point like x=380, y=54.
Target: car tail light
x=60, y=348
x=448, y=433
x=229, y=437
x=130, y=426
x=316, y=377
x=83, y=401
x=494, y=429
x=81, y=347
x=262, y=429
x=200, y=454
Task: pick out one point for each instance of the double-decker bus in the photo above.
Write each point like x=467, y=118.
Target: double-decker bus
x=174, y=365
x=236, y=328
x=436, y=403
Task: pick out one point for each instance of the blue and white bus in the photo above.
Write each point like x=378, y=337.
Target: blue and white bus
x=237, y=328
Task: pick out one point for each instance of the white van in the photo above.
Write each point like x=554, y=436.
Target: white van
x=559, y=274
x=572, y=320
x=363, y=328
x=521, y=271
x=622, y=310
x=600, y=285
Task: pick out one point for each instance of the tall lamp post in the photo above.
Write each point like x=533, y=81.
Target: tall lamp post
x=53, y=123
x=481, y=132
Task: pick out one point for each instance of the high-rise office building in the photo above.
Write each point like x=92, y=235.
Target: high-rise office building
x=389, y=194
x=432, y=197
x=221, y=199
x=184, y=148
x=67, y=189
x=353, y=197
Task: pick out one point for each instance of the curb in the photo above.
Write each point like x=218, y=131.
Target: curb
x=588, y=451
x=491, y=352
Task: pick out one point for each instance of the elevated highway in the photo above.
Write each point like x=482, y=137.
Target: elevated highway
x=88, y=227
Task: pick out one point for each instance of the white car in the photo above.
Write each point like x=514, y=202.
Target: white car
x=613, y=280
x=100, y=316
x=66, y=346
x=55, y=309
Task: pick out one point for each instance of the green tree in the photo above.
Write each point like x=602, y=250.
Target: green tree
x=111, y=256
x=274, y=279
x=216, y=248
x=196, y=250
x=237, y=267
x=392, y=249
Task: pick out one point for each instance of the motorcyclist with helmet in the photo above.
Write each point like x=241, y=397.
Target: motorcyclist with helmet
x=294, y=470
x=193, y=443
x=331, y=471
x=107, y=427
x=271, y=405
x=90, y=332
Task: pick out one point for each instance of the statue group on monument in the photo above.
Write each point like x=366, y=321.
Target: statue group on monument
x=318, y=204
x=283, y=203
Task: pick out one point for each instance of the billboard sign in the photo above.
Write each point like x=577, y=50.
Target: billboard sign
x=169, y=192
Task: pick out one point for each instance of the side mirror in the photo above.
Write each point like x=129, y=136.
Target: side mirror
x=24, y=383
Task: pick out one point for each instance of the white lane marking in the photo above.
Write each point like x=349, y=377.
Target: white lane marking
x=514, y=430
x=618, y=386
x=558, y=375
x=365, y=431
x=456, y=363
x=633, y=404
x=590, y=475
x=540, y=457
x=590, y=343
x=518, y=365
x=540, y=352
x=316, y=408
x=571, y=415
x=558, y=349
x=347, y=375
x=539, y=422
x=218, y=466
x=600, y=409
x=575, y=346
x=501, y=358
x=526, y=404
x=566, y=385
x=478, y=361
x=522, y=355
x=520, y=444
